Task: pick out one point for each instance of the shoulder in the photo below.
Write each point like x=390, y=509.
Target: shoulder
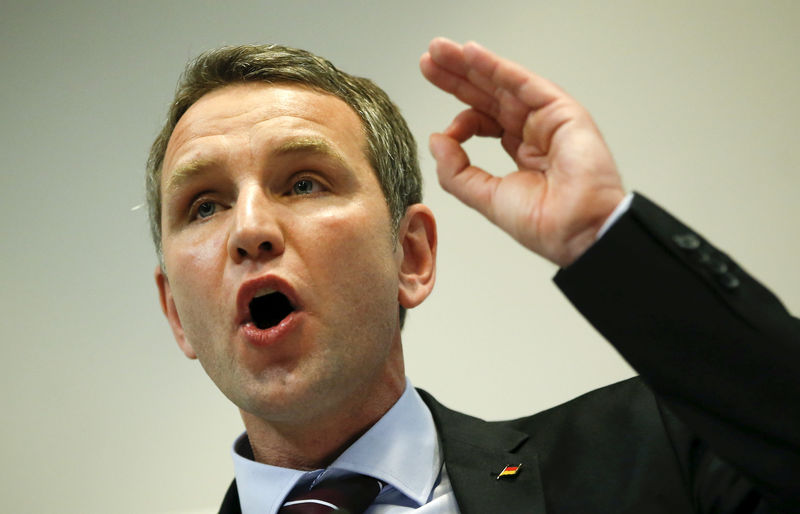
x=618, y=416
x=607, y=444
x=628, y=402
x=630, y=397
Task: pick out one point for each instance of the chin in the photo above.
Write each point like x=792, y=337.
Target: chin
x=282, y=400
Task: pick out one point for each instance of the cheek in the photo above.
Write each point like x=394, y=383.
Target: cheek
x=352, y=253
x=355, y=237
x=195, y=253
x=194, y=266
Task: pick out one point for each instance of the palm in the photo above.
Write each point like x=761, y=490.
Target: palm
x=567, y=182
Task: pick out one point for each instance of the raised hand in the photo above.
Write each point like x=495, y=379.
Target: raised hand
x=567, y=183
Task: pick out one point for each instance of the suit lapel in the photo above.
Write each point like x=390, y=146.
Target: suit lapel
x=230, y=504
x=475, y=452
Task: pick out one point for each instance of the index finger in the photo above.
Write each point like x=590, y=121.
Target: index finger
x=484, y=66
x=445, y=67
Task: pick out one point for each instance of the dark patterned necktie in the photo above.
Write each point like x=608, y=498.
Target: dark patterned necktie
x=350, y=494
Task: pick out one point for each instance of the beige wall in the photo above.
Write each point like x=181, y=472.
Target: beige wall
x=101, y=413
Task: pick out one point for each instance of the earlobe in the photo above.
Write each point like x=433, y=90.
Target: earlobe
x=417, y=268
x=171, y=313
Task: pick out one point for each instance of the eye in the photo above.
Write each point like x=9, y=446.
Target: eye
x=205, y=209
x=306, y=186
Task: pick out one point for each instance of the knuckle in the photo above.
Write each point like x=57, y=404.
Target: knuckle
x=446, y=183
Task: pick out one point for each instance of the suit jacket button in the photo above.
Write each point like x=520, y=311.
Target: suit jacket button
x=717, y=266
x=687, y=241
x=729, y=280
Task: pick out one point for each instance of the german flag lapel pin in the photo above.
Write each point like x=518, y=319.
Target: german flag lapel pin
x=510, y=471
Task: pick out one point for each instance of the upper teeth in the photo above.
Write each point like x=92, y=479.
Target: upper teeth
x=263, y=292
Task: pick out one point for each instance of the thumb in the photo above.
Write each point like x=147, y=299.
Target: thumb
x=470, y=184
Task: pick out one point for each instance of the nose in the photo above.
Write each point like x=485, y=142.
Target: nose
x=256, y=232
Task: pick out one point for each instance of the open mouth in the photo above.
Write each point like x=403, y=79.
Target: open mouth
x=268, y=310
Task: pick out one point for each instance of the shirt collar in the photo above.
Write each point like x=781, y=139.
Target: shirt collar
x=401, y=449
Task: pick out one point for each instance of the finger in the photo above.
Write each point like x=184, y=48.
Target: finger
x=470, y=184
x=442, y=70
x=510, y=143
x=447, y=66
x=507, y=109
x=473, y=123
x=454, y=84
x=533, y=90
x=449, y=55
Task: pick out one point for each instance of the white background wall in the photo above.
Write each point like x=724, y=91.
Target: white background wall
x=102, y=413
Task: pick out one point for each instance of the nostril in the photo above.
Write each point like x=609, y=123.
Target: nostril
x=265, y=246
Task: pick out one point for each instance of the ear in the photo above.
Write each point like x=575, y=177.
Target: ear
x=171, y=313
x=417, y=255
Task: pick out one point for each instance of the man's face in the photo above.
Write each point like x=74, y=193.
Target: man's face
x=281, y=268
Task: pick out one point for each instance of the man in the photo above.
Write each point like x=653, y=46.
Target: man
x=284, y=200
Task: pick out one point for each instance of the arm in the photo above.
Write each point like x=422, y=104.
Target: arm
x=719, y=349
x=723, y=359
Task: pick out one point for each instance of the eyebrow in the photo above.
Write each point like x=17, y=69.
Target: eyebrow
x=299, y=145
x=186, y=173
x=309, y=145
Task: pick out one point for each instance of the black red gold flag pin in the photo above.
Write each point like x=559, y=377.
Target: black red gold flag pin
x=510, y=471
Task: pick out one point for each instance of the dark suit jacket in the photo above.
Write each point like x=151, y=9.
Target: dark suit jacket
x=712, y=425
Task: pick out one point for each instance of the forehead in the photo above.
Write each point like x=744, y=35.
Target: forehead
x=259, y=113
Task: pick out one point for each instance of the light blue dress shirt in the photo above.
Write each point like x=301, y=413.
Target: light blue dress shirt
x=401, y=449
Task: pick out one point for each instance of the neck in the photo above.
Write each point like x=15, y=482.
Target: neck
x=315, y=442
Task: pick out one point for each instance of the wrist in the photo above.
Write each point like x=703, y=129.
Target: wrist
x=579, y=243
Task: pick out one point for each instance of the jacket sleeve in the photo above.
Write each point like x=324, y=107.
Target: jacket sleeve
x=717, y=348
